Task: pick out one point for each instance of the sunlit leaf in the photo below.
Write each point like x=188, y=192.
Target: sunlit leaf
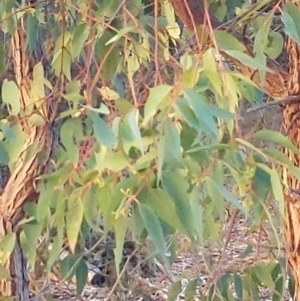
x=156, y=96
x=74, y=219
x=227, y=41
x=11, y=96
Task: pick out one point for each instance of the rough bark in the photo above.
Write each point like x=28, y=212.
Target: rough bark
x=21, y=183
x=291, y=126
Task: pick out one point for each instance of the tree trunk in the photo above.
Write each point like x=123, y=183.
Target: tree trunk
x=291, y=127
x=30, y=164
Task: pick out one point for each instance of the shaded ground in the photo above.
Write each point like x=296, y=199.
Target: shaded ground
x=243, y=249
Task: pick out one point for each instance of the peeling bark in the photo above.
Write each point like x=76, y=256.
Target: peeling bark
x=21, y=183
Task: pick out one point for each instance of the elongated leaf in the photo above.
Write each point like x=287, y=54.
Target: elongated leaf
x=164, y=207
x=81, y=276
x=103, y=132
x=276, y=137
x=132, y=118
x=154, y=229
x=248, y=60
x=238, y=286
x=171, y=141
x=4, y=156
x=276, y=187
x=156, y=96
x=197, y=212
x=32, y=32
x=74, y=219
x=228, y=42
x=229, y=196
x=290, y=27
x=120, y=34
x=174, y=291
x=190, y=290
x=7, y=242
x=80, y=35
x=201, y=110
x=187, y=113
x=120, y=226
x=176, y=186
x=11, y=96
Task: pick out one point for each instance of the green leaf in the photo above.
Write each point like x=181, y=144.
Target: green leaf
x=61, y=62
x=29, y=249
x=154, y=229
x=190, y=290
x=4, y=273
x=120, y=225
x=176, y=186
x=11, y=96
x=290, y=27
x=68, y=266
x=276, y=187
x=91, y=208
x=211, y=71
x=201, y=110
x=229, y=196
x=262, y=272
x=164, y=207
x=197, y=212
x=171, y=141
x=132, y=118
x=102, y=110
x=2, y=59
x=228, y=42
x=275, y=44
x=238, y=286
x=174, y=291
x=4, y=157
x=276, y=137
x=37, y=120
x=248, y=60
x=74, y=218
x=80, y=35
x=32, y=32
x=81, y=276
x=156, y=96
x=103, y=132
x=108, y=65
x=7, y=242
x=187, y=114
x=290, y=19
x=119, y=35
x=33, y=232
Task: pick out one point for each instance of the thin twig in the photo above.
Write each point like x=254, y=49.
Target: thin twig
x=277, y=102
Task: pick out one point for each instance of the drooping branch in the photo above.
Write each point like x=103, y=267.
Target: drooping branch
x=193, y=13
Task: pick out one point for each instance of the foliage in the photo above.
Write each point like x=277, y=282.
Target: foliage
x=142, y=163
